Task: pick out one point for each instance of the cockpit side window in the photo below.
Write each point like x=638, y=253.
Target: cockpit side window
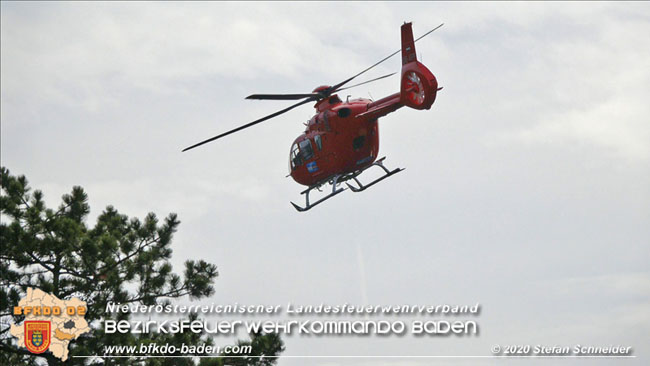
x=319, y=142
x=306, y=152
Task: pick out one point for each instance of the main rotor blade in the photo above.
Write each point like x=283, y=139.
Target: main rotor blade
x=335, y=87
x=251, y=123
x=282, y=96
x=309, y=95
x=365, y=82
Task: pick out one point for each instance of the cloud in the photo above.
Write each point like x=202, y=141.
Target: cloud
x=89, y=55
x=608, y=285
x=532, y=163
x=616, y=125
x=582, y=83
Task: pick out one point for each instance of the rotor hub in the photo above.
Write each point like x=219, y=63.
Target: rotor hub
x=321, y=88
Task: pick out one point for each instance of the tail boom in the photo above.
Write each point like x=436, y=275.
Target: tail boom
x=418, y=85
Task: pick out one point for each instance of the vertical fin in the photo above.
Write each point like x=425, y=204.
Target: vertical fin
x=408, y=45
x=418, y=86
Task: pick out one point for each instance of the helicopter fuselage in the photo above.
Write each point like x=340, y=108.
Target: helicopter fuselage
x=341, y=140
x=335, y=141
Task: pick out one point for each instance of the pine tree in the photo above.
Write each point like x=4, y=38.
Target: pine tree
x=119, y=259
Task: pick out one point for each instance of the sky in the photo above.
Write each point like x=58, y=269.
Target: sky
x=526, y=189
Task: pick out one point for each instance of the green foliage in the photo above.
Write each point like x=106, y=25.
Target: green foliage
x=119, y=259
x=265, y=350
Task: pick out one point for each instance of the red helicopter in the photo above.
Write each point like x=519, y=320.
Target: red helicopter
x=342, y=140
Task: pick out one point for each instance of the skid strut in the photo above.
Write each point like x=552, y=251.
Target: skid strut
x=340, y=178
x=379, y=163
x=334, y=182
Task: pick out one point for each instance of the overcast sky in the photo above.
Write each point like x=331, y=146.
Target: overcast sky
x=527, y=186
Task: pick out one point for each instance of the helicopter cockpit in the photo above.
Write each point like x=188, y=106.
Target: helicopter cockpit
x=300, y=153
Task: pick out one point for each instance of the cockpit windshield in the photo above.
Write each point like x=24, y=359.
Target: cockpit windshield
x=293, y=157
x=300, y=153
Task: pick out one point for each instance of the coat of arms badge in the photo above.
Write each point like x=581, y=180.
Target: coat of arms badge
x=37, y=335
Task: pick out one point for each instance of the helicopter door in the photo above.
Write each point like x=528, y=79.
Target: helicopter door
x=307, y=153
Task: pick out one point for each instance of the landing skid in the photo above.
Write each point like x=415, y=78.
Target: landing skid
x=334, y=182
x=379, y=163
x=340, y=178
